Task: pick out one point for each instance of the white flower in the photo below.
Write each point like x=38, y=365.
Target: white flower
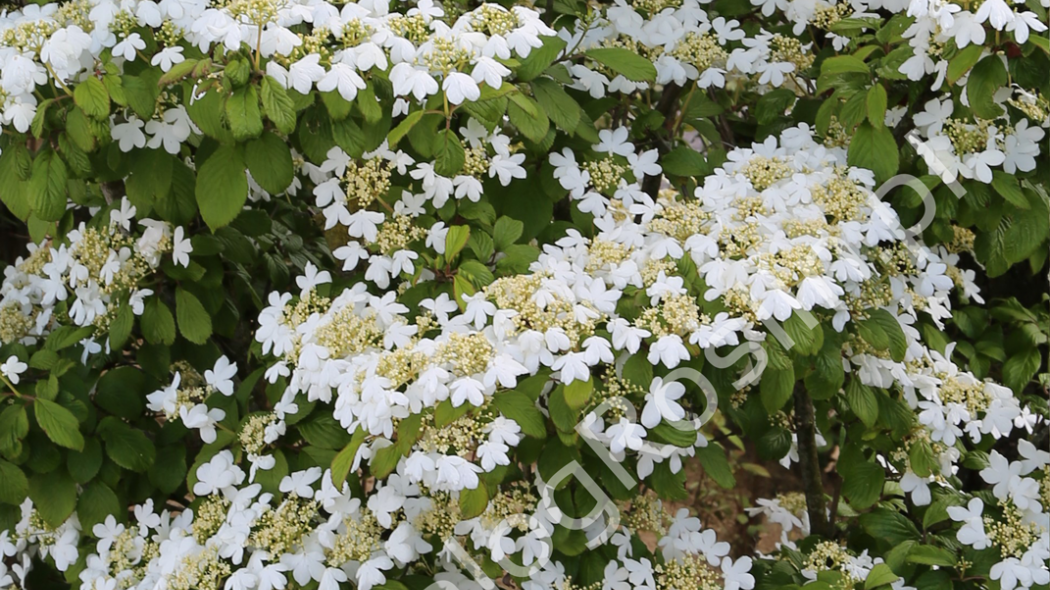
x=931, y=120
x=300, y=482
x=124, y=215
x=202, y=418
x=343, y=78
x=736, y=575
x=615, y=142
x=312, y=278
x=181, y=247
x=489, y=71
x=625, y=435
x=996, y=12
x=773, y=72
x=12, y=368
x=669, y=350
x=1001, y=473
x=217, y=474
x=507, y=167
x=371, y=572
x=408, y=79
x=221, y=375
x=129, y=134
x=129, y=47
x=304, y=73
x=167, y=57
x=661, y=403
x=460, y=87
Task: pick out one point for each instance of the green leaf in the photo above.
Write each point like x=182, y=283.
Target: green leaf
x=456, y=240
x=403, y=128
x=862, y=483
x=889, y=525
x=449, y=156
x=141, y=93
x=472, y=503
x=14, y=426
x=222, y=187
x=120, y=392
x=1019, y=369
x=962, y=62
x=670, y=434
x=278, y=107
x=157, y=323
x=97, y=502
x=629, y=64
x=685, y=161
x=772, y=105
x=194, y=321
x=325, y=432
x=270, y=162
x=349, y=136
x=986, y=78
x=716, y=465
x=560, y=107
x=13, y=484
x=880, y=575
x=872, y=333
x=126, y=446
x=863, y=402
x=384, y=461
x=368, y=104
x=930, y=555
x=875, y=149
x=178, y=72
x=243, y=114
x=36, y=128
x=540, y=58
x=898, y=343
x=519, y=407
x=668, y=485
x=344, y=460
x=564, y=417
x=54, y=496
x=528, y=117
x=1008, y=188
x=807, y=341
x=338, y=107
x=844, y=64
x=487, y=112
x=151, y=177
x=84, y=465
x=776, y=387
x=47, y=186
x=59, y=423
x=578, y=393
x=876, y=105
x=506, y=231
x=120, y=327
x=91, y=96
x=169, y=469
x=16, y=190
x=922, y=459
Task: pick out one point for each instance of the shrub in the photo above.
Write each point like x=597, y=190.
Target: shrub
x=543, y=258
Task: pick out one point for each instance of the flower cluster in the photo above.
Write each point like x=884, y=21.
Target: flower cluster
x=421, y=54
x=546, y=260
x=88, y=280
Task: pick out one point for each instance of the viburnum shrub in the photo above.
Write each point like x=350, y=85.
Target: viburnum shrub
x=418, y=296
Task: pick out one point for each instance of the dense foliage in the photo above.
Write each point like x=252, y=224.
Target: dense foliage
x=418, y=295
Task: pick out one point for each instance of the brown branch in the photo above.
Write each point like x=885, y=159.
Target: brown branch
x=809, y=463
